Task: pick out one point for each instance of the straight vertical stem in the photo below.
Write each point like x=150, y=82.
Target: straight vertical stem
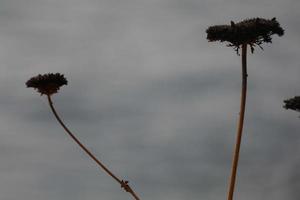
x=240, y=124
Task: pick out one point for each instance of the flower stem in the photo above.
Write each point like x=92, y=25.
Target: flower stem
x=240, y=123
x=124, y=184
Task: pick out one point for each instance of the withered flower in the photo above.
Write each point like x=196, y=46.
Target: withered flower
x=253, y=32
x=293, y=103
x=47, y=84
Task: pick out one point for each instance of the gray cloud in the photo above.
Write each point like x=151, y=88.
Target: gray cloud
x=150, y=96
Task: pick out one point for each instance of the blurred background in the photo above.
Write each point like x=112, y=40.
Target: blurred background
x=150, y=97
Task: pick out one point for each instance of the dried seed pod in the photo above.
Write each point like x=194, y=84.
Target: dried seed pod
x=293, y=103
x=47, y=84
x=250, y=31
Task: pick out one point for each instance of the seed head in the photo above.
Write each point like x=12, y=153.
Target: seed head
x=254, y=32
x=47, y=84
x=293, y=103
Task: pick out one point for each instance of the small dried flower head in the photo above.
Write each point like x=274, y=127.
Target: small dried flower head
x=47, y=84
x=293, y=103
x=250, y=31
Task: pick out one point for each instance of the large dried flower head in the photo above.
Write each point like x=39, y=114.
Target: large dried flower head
x=253, y=32
x=293, y=103
x=47, y=84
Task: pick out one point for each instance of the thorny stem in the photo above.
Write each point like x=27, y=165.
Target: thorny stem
x=124, y=184
x=240, y=123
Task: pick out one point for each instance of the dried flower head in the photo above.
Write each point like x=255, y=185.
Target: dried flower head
x=250, y=31
x=293, y=103
x=47, y=84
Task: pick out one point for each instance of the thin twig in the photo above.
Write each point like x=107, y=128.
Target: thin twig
x=240, y=123
x=124, y=184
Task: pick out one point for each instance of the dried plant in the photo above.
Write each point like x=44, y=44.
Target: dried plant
x=253, y=32
x=292, y=103
x=49, y=84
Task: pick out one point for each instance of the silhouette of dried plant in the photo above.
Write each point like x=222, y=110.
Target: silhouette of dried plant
x=292, y=103
x=49, y=84
x=253, y=32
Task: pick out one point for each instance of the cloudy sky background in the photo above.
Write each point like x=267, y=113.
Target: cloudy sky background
x=149, y=96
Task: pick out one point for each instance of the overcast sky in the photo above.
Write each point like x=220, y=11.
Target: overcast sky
x=150, y=97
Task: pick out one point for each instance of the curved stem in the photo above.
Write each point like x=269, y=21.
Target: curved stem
x=240, y=123
x=124, y=184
